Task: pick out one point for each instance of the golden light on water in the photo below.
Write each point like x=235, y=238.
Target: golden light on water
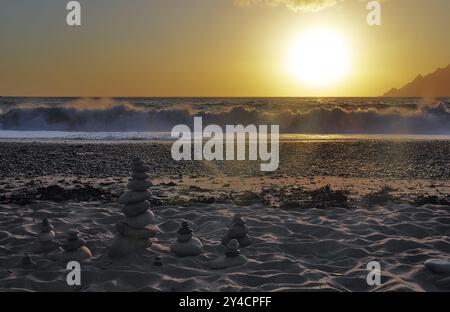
x=319, y=57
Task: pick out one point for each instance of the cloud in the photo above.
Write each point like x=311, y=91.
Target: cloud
x=296, y=5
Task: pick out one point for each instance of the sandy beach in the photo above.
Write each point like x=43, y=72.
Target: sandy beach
x=315, y=224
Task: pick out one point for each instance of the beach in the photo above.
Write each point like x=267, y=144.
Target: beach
x=331, y=208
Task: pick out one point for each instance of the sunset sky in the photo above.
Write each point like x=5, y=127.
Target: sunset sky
x=211, y=47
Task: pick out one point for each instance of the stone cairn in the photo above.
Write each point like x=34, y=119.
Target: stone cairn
x=136, y=231
x=231, y=258
x=239, y=231
x=45, y=242
x=75, y=247
x=186, y=245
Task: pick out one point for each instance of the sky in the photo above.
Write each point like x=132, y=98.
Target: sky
x=202, y=48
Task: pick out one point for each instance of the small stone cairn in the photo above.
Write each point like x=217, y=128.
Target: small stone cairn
x=186, y=244
x=45, y=238
x=239, y=231
x=75, y=247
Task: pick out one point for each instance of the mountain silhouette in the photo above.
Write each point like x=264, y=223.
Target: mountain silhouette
x=436, y=84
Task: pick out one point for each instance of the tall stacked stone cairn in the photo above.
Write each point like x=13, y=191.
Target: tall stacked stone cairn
x=231, y=258
x=75, y=247
x=186, y=244
x=238, y=231
x=45, y=238
x=136, y=231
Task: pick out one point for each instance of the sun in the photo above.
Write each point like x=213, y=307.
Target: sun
x=319, y=57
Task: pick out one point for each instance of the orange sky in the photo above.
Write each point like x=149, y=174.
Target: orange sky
x=209, y=48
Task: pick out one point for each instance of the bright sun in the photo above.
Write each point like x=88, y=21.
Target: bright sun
x=319, y=57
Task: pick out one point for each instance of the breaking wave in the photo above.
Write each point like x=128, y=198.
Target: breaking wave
x=330, y=116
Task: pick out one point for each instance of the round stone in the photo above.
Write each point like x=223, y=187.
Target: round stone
x=74, y=244
x=130, y=197
x=140, y=176
x=139, y=185
x=190, y=248
x=79, y=254
x=140, y=221
x=438, y=266
x=123, y=246
x=44, y=237
x=132, y=210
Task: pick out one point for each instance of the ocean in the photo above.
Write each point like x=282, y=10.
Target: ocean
x=153, y=118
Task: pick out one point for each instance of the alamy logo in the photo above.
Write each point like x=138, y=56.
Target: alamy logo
x=73, y=278
x=374, y=276
x=74, y=16
x=233, y=139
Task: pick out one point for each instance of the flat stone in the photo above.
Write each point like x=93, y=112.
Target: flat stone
x=123, y=246
x=148, y=231
x=191, y=248
x=140, y=176
x=130, y=197
x=142, y=220
x=224, y=262
x=139, y=185
x=133, y=210
x=438, y=266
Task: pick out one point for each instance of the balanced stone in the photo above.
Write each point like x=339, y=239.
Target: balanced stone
x=75, y=247
x=231, y=258
x=186, y=245
x=131, y=197
x=141, y=220
x=135, y=209
x=239, y=231
x=438, y=266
